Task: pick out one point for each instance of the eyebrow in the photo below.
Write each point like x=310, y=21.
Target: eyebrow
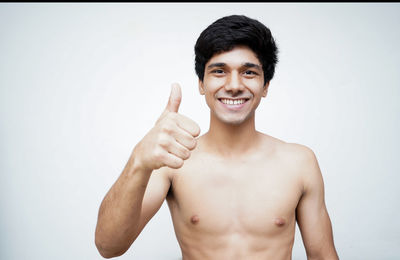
x=218, y=64
x=246, y=64
x=252, y=65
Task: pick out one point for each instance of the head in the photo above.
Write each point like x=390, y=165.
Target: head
x=230, y=31
x=235, y=61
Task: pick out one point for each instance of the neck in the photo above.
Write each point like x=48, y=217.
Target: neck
x=230, y=140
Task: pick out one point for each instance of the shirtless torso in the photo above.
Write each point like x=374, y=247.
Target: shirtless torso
x=233, y=193
x=236, y=208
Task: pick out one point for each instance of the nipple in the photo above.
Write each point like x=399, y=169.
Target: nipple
x=279, y=222
x=194, y=219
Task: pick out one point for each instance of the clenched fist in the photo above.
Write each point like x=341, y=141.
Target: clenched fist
x=170, y=141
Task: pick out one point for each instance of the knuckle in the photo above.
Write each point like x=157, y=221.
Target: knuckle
x=192, y=144
x=197, y=130
x=194, y=130
x=163, y=141
x=186, y=154
x=175, y=163
x=166, y=128
x=178, y=163
x=159, y=155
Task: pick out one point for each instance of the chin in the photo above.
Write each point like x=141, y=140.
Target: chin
x=234, y=121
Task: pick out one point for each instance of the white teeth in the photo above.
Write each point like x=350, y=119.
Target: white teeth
x=233, y=102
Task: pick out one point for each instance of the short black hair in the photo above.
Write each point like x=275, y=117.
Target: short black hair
x=230, y=31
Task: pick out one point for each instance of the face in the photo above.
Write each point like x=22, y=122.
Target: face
x=233, y=85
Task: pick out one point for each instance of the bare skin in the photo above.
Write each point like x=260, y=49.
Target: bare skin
x=233, y=193
x=248, y=210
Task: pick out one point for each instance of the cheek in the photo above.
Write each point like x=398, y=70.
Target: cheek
x=253, y=83
x=213, y=83
x=209, y=99
x=257, y=91
x=211, y=87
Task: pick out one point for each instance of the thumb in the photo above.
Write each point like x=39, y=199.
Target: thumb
x=174, y=98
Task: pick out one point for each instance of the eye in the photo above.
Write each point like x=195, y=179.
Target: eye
x=217, y=71
x=250, y=72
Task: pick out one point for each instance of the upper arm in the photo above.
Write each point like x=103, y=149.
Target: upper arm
x=154, y=196
x=311, y=213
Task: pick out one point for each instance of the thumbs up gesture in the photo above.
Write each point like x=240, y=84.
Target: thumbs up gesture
x=170, y=141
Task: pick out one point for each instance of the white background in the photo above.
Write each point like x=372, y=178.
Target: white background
x=81, y=84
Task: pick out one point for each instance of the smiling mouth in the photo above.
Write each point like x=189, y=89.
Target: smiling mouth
x=228, y=101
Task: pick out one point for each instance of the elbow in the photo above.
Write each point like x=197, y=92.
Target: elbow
x=108, y=251
x=106, y=254
x=110, y=244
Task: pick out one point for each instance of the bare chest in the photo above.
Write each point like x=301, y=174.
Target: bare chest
x=255, y=198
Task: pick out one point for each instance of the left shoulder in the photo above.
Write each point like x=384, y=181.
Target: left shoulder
x=298, y=154
x=304, y=162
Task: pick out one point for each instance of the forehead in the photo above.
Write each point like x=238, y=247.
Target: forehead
x=237, y=56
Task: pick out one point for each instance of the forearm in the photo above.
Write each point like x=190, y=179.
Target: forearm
x=167, y=144
x=119, y=214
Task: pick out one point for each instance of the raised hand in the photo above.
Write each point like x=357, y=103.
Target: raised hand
x=171, y=140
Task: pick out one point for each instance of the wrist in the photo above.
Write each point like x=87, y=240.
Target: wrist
x=136, y=166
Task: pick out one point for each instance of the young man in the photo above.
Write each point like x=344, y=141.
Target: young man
x=233, y=193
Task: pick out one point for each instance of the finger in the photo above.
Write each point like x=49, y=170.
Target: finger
x=188, y=125
x=172, y=161
x=175, y=98
x=179, y=150
x=184, y=138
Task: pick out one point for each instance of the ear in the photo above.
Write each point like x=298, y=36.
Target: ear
x=265, y=90
x=201, y=87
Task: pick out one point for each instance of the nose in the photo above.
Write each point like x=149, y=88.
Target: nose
x=234, y=83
